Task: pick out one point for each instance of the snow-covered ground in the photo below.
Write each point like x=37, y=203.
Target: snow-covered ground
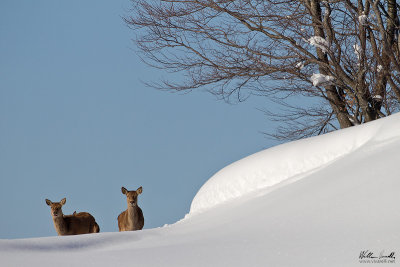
x=314, y=202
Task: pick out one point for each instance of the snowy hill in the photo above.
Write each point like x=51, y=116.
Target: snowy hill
x=314, y=202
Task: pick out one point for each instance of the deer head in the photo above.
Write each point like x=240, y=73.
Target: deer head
x=132, y=196
x=56, y=207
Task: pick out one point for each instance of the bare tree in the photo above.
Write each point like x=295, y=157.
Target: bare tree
x=343, y=55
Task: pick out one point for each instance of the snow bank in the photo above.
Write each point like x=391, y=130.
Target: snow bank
x=288, y=161
x=345, y=203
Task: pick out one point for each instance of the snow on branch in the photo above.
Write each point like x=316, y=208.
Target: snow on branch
x=321, y=79
x=358, y=51
x=319, y=42
x=300, y=65
x=363, y=19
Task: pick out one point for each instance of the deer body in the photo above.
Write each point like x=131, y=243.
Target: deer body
x=132, y=218
x=75, y=224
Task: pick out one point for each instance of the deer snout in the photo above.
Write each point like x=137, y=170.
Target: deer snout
x=133, y=203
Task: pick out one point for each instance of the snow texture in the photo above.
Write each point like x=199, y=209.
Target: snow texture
x=321, y=79
x=315, y=202
x=379, y=68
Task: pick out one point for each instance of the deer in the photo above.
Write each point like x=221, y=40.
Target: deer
x=132, y=218
x=75, y=224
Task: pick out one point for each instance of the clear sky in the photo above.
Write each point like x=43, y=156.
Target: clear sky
x=77, y=122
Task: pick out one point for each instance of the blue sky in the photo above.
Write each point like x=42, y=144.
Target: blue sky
x=77, y=122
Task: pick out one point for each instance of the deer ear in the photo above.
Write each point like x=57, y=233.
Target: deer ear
x=139, y=190
x=62, y=202
x=124, y=190
x=48, y=202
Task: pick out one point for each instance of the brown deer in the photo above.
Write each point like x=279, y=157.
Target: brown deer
x=132, y=218
x=75, y=224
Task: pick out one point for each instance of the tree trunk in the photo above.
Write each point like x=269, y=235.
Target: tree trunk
x=337, y=104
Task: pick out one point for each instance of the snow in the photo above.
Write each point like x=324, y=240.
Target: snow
x=272, y=166
x=379, y=68
x=354, y=121
x=357, y=51
x=321, y=79
x=300, y=65
x=319, y=42
x=315, y=202
x=363, y=19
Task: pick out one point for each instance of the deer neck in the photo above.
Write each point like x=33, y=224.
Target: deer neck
x=132, y=211
x=60, y=224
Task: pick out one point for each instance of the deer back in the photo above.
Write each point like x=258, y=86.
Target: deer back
x=80, y=223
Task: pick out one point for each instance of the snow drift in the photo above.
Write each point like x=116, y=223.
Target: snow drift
x=289, y=162
x=323, y=201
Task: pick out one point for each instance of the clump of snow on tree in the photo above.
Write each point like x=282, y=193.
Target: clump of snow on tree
x=357, y=51
x=377, y=97
x=319, y=42
x=363, y=19
x=300, y=65
x=321, y=79
x=379, y=68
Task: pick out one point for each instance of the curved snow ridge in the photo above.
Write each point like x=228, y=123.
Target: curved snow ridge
x=272, y=166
